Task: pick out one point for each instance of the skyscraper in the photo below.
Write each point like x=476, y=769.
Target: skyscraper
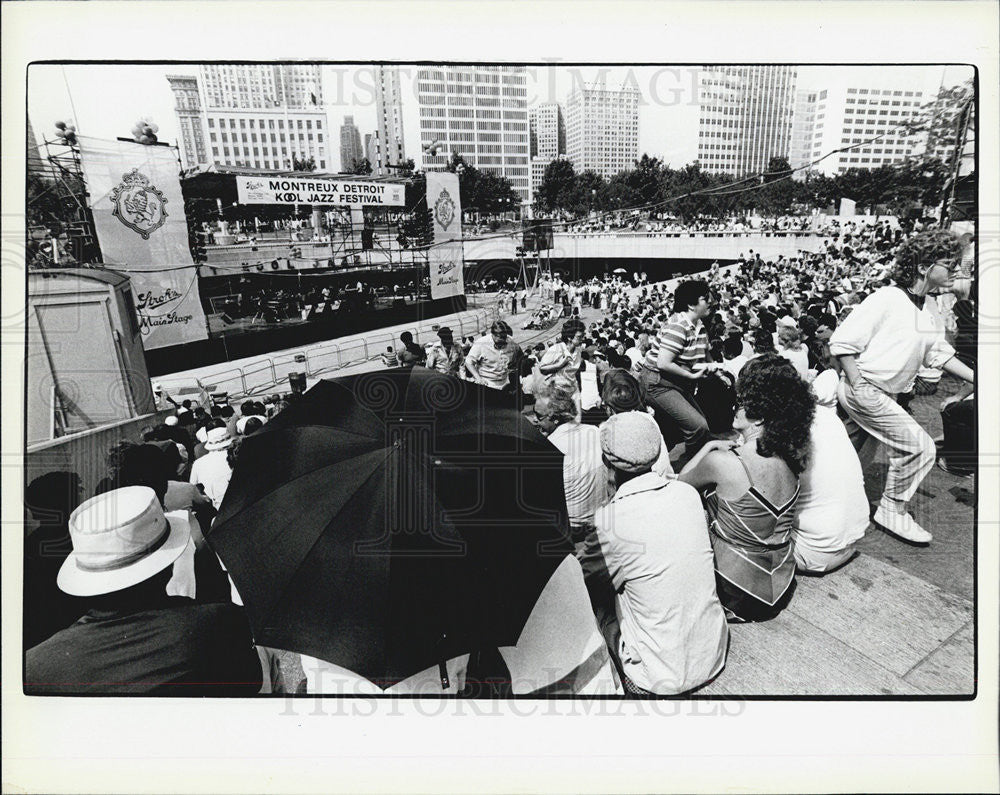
x=389, y=149
x=746, y=117
x=803, y=125
x=547, y=130
x=253, y=86
x=602, y=129
x=371, y=149
x=260, y=116
x=547, y=138
x=828, y=120
x=350, y=144
x=481, y=113
x=189, y=119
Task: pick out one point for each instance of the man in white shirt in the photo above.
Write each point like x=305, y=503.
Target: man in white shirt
x=492, y=358
x=585, y=477
x=651, y=558
x=212, y=470
x=733, y=356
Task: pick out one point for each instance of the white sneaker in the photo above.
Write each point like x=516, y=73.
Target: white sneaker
x=901, y=524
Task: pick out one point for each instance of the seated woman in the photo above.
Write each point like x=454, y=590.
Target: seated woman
x=751, y=488
x=832, y=512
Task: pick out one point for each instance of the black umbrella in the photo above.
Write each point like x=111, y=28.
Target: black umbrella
x=389, y=521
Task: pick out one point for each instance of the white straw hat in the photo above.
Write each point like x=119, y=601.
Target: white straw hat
x=120, y=538
x=218, y=439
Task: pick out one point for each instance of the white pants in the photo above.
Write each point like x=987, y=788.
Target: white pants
x=875, y=416
x=815, y=562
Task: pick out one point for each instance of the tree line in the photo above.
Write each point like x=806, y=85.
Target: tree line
x=689, y=193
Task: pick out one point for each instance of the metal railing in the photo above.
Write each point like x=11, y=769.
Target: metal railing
x=268, y=373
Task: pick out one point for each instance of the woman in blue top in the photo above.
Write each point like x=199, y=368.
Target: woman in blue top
x=751, y=486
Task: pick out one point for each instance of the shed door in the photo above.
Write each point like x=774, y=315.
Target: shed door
x=78, y=339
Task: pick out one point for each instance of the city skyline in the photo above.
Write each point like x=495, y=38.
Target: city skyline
x=105, y=101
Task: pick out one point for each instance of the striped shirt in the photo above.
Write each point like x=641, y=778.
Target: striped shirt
x=686, y=338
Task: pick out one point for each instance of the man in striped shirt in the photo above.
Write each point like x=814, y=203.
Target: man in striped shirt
x=673, y=365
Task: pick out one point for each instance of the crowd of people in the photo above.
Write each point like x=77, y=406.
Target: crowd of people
x=715, y=437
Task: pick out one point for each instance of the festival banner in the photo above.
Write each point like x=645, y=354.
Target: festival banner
x=135, y=197
x=446, y=256
x=316, y=190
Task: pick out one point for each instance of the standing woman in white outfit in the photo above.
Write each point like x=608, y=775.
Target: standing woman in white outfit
x=561, y=363
x=882, y=345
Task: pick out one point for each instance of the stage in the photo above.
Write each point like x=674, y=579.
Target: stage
x=243, y=337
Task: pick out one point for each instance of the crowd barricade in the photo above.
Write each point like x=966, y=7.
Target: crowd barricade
x=324, y=358
x=353, y=352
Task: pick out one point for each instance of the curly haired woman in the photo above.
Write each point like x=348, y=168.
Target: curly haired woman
x=882, y=345
x=751, y=488
x=561, y=363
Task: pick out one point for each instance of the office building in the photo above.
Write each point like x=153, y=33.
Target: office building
x=350, y=145
x=389, y=149
x=481, y=113
x=371, y=149
x=253, y=86
x=745, y=117
x=259, y=116
x=602, y=129
x=870, y=121
x=547, y=130
x=546, y=137
x=803, y=125
x=187, y=107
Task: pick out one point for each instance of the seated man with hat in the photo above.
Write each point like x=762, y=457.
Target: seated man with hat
x=212, y=471
x=134, y=638
x=650, y=570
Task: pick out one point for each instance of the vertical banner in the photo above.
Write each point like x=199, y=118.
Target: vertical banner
x=135, y=196
x=446, y=256
x=847, y=207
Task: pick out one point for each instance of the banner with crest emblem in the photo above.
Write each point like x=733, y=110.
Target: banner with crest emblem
x=446, y=256
x=135, y=197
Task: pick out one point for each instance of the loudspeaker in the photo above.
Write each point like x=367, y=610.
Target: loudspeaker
x=225, y=318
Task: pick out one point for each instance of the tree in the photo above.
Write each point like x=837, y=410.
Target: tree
x=362, y=166
x=557, y=187
x=482, y=191
x=941, y=117
x=405, y=169
x=50, y=203
x=778, y=193
x=643, y=183
x=304, y=164
x=677, y=183
x=590, y=193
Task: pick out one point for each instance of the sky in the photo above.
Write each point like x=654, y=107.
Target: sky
x=105, y=101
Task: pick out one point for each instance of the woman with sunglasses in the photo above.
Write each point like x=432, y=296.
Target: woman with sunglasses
x=882, y=346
